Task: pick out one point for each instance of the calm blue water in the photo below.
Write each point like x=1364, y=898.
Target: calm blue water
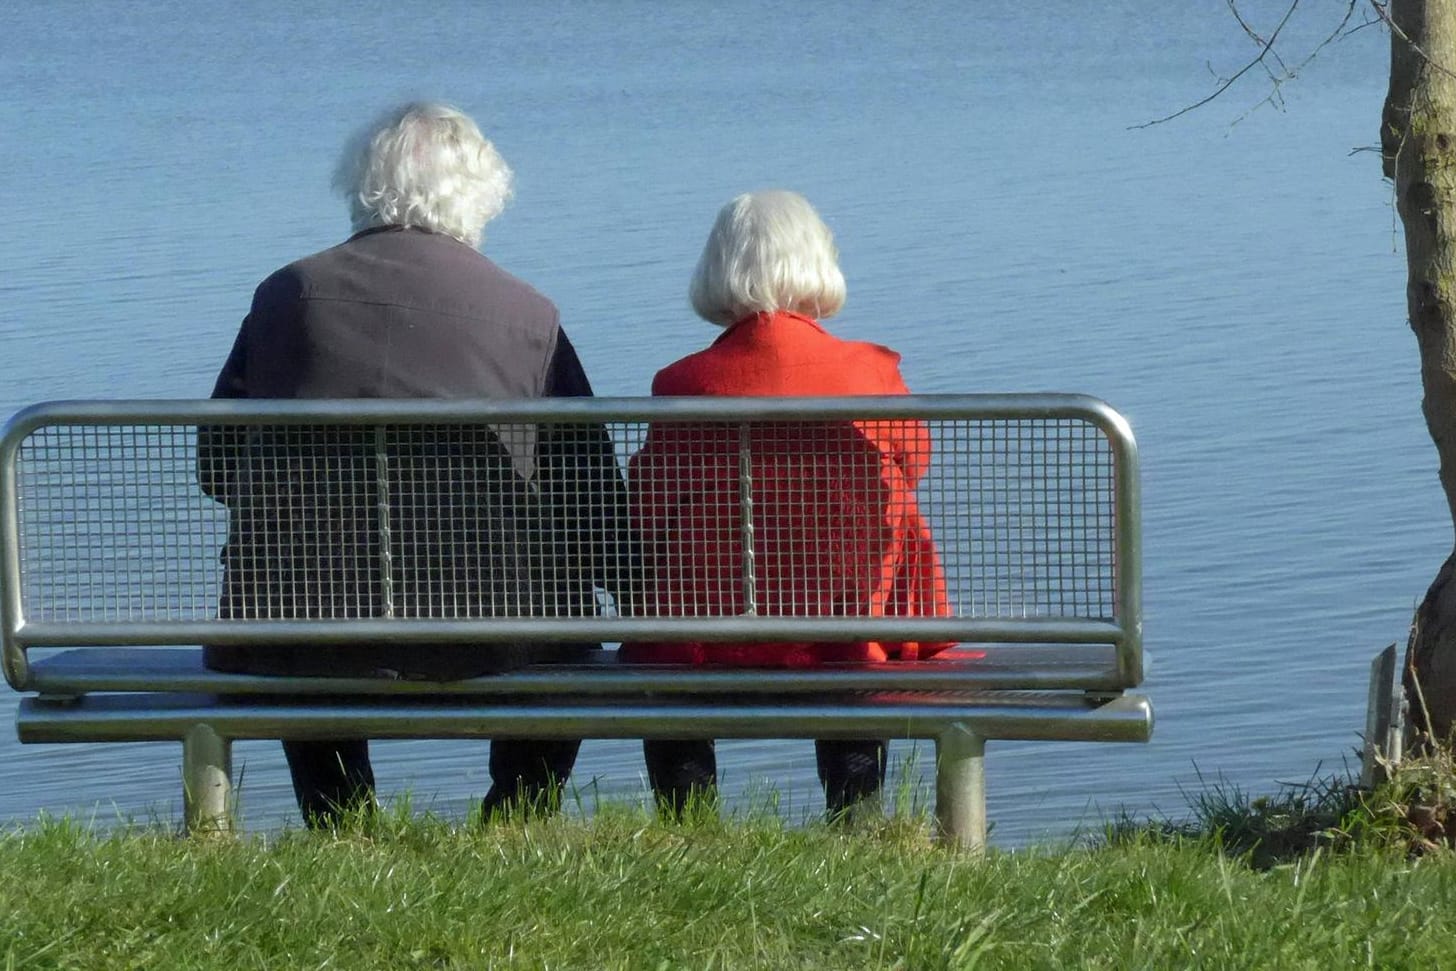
x=1232, y=281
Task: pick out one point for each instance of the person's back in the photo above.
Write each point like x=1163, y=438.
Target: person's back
x=782, y=353
x=399, y=312
x=825, y=521
x=829, y=497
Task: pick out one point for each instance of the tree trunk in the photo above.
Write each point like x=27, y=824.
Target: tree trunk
x=1418, y=141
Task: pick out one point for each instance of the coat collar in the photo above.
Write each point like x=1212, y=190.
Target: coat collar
x=395, y=228
x=770, y=318
x=375, y=230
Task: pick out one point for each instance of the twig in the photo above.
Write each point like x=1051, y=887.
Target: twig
x=1233, y=9
x=1334, y=35
x=1285, y=73
x=1267, y=49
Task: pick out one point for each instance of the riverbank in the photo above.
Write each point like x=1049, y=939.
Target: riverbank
x=624, y=890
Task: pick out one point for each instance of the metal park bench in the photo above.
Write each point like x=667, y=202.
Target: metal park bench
x=351, y=526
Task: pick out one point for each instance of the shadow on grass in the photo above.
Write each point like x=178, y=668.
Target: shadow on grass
x=1413, y=812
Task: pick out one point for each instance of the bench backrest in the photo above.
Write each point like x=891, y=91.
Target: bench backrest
x=305, y=522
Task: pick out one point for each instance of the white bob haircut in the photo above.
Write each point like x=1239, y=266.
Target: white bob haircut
x=424, y=165
x=767, y=251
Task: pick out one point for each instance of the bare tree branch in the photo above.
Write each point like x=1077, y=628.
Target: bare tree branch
x=1337, y=34
x=1276, y=97
x=1267, y=52
x=1264, y=52
x=1258, y=41
x=1361, y=26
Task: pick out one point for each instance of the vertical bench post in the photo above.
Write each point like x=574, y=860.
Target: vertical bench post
x=207, y=787
x=960, y=788
x=745, y=509
x=386, y=539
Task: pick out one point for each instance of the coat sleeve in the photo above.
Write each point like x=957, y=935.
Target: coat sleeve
x=565, y=377
x=272, y=333
x=910, y=440
x=232, y=379
x=218, y=445
x=583, y=489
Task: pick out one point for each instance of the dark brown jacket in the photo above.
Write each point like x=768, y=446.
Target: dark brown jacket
x=480, y=523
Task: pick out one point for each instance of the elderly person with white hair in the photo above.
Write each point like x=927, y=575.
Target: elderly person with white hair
x=836, y=527
x=407, y=307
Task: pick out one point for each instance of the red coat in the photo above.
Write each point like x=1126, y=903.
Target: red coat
x=837, y=528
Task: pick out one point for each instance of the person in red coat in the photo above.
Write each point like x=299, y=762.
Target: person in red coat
x=837, y=530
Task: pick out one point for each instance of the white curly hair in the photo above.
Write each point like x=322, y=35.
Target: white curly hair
x=425, y=165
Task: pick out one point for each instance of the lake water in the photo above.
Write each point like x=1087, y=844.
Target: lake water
x=1232, y=281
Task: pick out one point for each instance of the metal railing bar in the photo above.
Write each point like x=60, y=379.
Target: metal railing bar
x=495, y=630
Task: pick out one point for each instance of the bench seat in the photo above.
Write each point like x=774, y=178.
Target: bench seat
x=987, y=667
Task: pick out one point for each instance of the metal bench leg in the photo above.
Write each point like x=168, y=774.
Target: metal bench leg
x=960, y=788
x=207, y=786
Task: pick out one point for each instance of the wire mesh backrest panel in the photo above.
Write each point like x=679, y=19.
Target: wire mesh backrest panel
x=960, y=517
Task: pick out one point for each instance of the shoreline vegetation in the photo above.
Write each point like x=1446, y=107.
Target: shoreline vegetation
x=1318, y=875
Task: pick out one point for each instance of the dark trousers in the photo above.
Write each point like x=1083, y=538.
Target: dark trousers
x=331, y=778
x=849, y=771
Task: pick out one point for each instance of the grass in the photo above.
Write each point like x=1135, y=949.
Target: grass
x=625, y=890
x=1264, y=830
x=1413, y=812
